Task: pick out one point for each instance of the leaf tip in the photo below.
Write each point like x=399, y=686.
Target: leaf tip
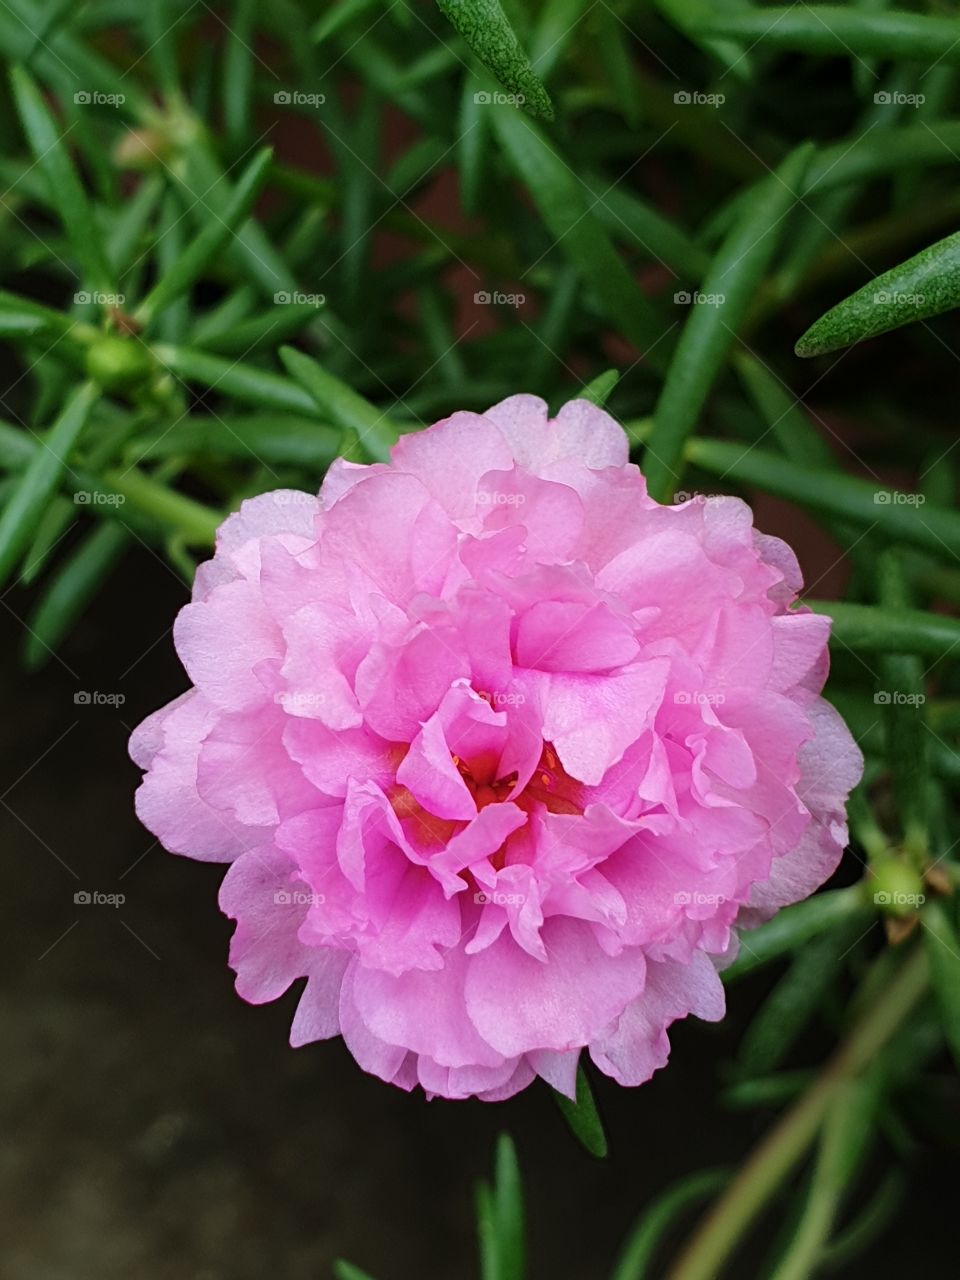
x=810, y=345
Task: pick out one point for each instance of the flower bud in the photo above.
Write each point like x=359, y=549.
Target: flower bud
x=142, y=149
x=117, y=363
x=897, y=887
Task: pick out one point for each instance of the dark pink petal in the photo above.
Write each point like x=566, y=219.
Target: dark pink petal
x=429, y=773
x=557, y=636
x=331, y=760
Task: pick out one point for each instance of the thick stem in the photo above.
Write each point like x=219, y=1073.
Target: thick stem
x=783, y=1147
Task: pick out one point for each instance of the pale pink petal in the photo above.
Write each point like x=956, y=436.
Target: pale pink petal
x=266, y=897
x=220, y=641
x=450, y=459
x=519, y=1004
x=168, y=802
x=558, y=1069
x=426, y=1012
x=639, y=1045
x=592, y=719
x=318, y=1013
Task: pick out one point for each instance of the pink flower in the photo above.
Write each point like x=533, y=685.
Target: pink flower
x=501, y=751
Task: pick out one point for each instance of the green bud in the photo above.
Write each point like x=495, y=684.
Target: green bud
x=897, y=888
x=117, y=363
x=142, y=149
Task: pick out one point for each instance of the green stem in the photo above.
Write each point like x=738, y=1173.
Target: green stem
x=196, y=523
x=866, y=828
x=845, y=1143
x=902, y=673
x=786, y=1143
